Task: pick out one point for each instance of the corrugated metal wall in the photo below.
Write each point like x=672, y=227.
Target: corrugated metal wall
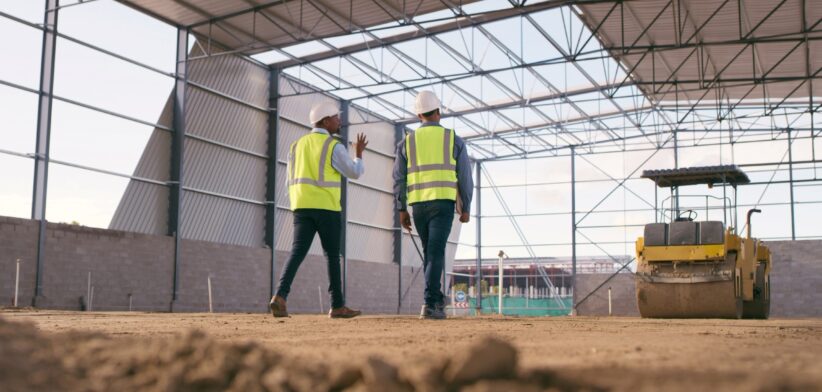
x=225, y=166
x=224, y=159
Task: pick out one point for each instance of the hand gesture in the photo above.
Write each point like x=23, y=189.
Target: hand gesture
x=362, y=142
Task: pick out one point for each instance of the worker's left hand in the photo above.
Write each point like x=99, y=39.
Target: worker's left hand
x=465, y=217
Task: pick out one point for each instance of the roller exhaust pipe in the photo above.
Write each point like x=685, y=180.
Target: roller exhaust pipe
x=748, y=220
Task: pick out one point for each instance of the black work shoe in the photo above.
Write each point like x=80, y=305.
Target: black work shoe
x=432, y=313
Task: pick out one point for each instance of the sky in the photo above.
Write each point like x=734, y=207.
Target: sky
x=87, y=138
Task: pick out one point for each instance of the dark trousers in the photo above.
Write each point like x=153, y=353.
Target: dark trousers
x=308, y=222
x=433, y=221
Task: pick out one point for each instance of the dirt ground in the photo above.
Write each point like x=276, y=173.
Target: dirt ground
x=401, y=352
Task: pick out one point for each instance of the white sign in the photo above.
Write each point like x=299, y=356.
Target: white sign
x=460, y=296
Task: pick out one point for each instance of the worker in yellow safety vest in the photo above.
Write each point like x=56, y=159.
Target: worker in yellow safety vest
x=316, y=164
x=432, y=174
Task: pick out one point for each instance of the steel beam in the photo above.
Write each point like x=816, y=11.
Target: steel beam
x=42, y=147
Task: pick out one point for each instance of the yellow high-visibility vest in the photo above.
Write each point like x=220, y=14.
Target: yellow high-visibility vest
x=312, y=181
x=432, y=169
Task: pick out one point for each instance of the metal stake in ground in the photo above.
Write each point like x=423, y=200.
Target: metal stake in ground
x=16, y=283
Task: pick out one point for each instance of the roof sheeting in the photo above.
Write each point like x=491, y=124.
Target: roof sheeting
x=710, y=175
x=253, y=26
x=707, y=45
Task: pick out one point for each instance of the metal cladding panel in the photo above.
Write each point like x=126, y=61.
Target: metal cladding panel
x=296, y=108
x=712, y=21
x=369, y=206
x=217, y=219
x=378, y=171
x=288, y=133
x=143, y=209
x=220, y=170
x=289, y=85
x=456, y=226
x=231, y=75
x=282, y=186
x=285, y=234
x=450, y=254
x=209, y=167
x=380, y=134
x=225, y=121
x=155, y=163
x=187, y=12
x=410, y=258
x=370, y=244
x=281, y=23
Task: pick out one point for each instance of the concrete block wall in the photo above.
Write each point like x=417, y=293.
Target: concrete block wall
x=623, y=295
x=796, y=278
x=120, y=263
x=240, y=277
x=123, y=263
x=18, y=240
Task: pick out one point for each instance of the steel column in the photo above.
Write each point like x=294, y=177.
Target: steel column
x=790, y=184
x=271, y=178
x=41, y=156
x=177, y=149
x=478, y=203
x=573, y=233
x=676, y=166
x=344, y=201
x=399, y=134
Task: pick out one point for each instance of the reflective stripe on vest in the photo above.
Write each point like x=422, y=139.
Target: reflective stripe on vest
x=312, y=181
x=432, y=169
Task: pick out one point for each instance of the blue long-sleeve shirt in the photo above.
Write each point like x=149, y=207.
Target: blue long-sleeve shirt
x=465, y=183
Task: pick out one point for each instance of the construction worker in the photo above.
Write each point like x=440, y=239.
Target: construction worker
x=432, y=170
x=316, y=164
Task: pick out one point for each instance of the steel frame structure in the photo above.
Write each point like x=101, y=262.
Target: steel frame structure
x=664, y=112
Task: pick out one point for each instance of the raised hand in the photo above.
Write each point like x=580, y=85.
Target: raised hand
x=362, y=142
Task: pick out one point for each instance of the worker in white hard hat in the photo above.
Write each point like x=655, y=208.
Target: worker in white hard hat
x=432, y=174
x=316, y=164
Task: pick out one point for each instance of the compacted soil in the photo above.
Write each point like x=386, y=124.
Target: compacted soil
x=73, y=351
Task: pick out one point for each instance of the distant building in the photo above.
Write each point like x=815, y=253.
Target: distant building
x=544, y=277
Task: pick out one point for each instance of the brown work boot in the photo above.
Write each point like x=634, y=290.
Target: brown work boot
x=277, y=306
x=343, y=312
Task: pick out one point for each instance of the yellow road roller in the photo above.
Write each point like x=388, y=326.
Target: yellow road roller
x=701, y=269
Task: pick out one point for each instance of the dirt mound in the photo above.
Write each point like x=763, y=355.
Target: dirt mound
x=193, y=361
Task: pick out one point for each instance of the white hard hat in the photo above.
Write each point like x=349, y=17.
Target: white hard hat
x=321, y=111
x=426, y=102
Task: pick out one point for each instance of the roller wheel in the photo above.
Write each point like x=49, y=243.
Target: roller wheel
x=760, y=307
